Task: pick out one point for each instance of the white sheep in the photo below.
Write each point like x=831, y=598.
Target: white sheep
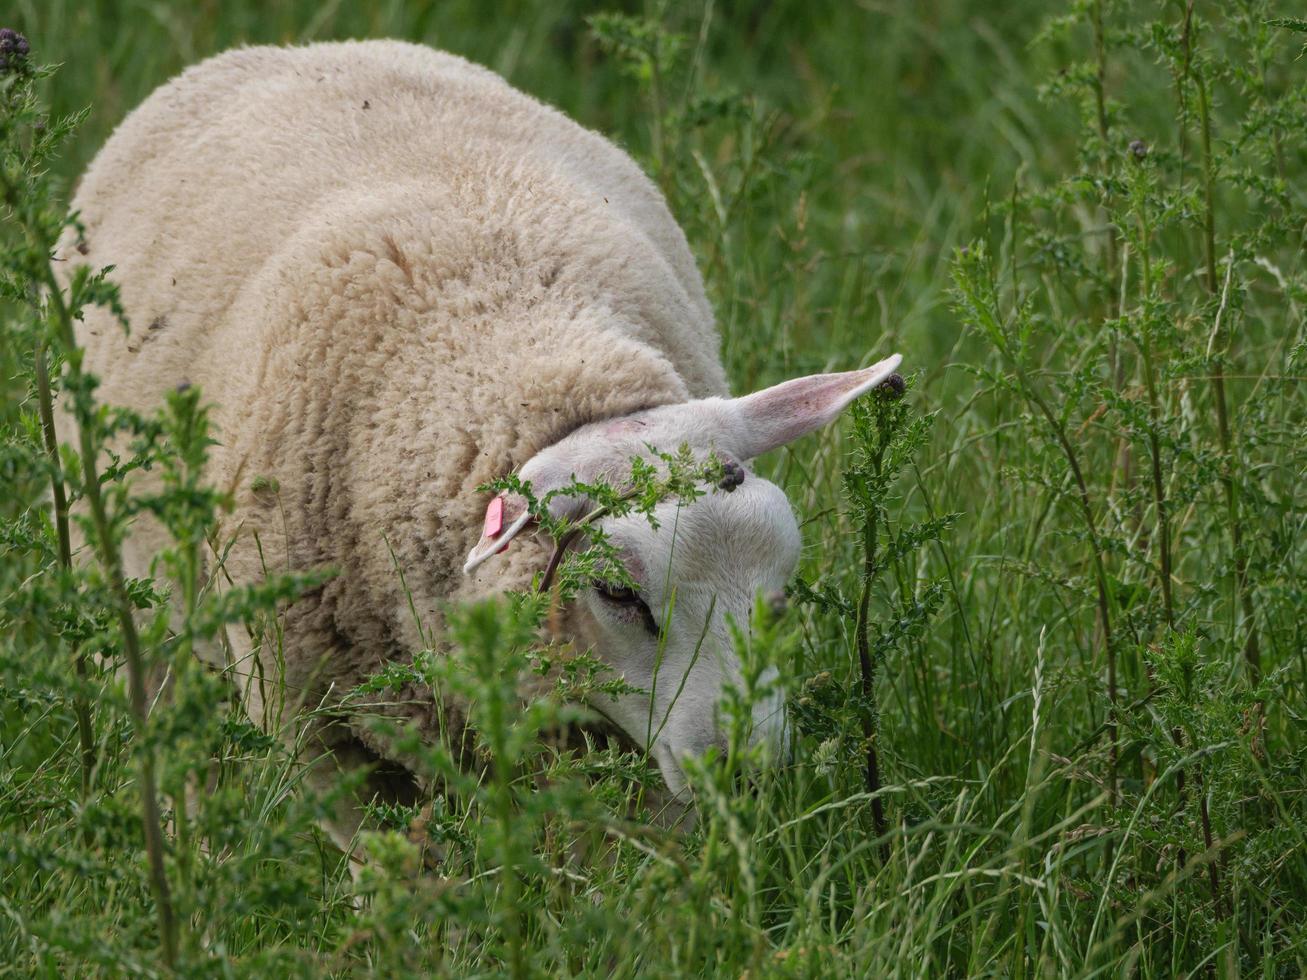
x=398, y=278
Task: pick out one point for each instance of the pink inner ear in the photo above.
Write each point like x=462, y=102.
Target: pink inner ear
x=780, y=414
x=794, y=408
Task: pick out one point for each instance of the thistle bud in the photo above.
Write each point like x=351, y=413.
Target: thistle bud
x=13, y=50
x=732, y=476
x=893, y=387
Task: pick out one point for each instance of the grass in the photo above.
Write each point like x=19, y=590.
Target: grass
x=1079, y=538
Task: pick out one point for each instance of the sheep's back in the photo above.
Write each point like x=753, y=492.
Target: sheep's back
x=209, y=178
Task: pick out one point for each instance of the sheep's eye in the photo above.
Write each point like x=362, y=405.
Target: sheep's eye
x=628, y=598
x=618, y=594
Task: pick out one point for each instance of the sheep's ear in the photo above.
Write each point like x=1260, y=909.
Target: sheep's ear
x=778, y=415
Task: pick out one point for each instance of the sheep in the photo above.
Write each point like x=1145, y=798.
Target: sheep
x=397, y=278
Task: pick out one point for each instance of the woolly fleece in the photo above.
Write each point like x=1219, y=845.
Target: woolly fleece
x=396, y=278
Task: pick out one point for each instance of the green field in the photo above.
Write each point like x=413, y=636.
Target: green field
x=1084, y=226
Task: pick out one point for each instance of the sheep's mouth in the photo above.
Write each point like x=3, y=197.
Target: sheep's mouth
x=386, y=780
x=598, y=731
x=391, y=782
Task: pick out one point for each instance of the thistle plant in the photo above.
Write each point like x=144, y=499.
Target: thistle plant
x=30, y=269
x=885, y=440
x=1174, y=268
x=105, y=620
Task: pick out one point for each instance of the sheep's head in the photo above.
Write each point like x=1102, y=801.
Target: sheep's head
x=700, y=569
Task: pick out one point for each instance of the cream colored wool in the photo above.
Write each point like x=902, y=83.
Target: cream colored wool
x=396, y=278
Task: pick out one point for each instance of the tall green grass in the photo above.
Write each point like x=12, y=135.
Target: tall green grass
x=1079, y=538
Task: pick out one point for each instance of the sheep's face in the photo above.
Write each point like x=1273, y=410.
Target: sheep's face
x=699, y=572
x=696, y=574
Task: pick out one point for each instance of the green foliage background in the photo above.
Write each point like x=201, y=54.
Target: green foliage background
x=1083, y=225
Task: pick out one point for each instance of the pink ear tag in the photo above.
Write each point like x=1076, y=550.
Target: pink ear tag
x=494, y=518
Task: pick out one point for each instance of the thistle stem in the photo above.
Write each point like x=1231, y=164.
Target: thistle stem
x=867, y=670
x=1243, y=589
x=111, y=559
x=1100, y=105
x=81, y=706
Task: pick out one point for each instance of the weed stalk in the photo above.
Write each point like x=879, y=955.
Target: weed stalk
x=978, y=293
x=1163, y=530
x=81, y=706
x=110, y=557
x=1243, y=589
x=866, y=663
